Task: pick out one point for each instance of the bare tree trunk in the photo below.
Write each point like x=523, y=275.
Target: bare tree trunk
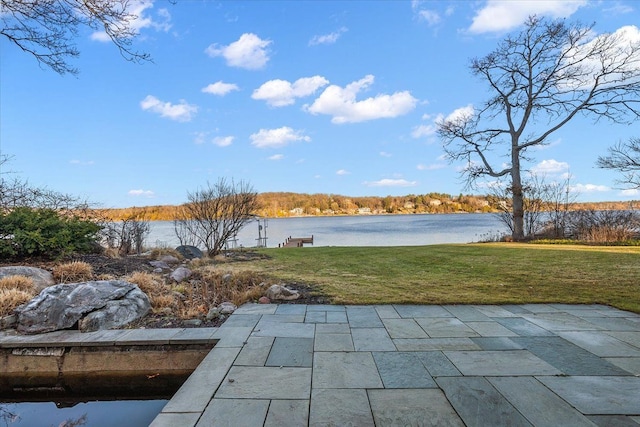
x=518, y=196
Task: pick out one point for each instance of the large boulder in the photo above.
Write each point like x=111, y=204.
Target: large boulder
x=189, y=252
x=102, y=304
x=282, y=293
x=41, y=278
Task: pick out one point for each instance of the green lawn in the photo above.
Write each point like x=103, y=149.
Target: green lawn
x=500, y=273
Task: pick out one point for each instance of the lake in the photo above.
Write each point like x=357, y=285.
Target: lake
x=361, y=230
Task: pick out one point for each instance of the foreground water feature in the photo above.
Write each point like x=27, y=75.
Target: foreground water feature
x=97, y=386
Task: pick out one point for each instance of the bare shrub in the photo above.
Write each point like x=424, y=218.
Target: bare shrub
x=72, y=272
x=10, y=298
x=604, y=226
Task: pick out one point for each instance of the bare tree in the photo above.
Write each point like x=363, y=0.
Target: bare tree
x=127, y=236
x=541, y=78
x=46, y=28
x=216, y=213
x=625, y=158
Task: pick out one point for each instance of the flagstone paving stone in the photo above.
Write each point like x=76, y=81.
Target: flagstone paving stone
x=420, y=407
x=292, y=352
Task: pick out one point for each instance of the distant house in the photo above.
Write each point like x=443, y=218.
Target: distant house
x=435, y=203
x=364, y=211
x=296, y=211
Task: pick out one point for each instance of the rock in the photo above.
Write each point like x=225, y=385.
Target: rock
x=192, y=323
x=227, y=308
x=169, y=259
x=41, y=278
x=189, y=252
x=94, y=305
x=8, y=322
x=280, y=292
x=160, y=265
x=180, y=274
x=227, y=277
x=264, y=300
x=213, y=313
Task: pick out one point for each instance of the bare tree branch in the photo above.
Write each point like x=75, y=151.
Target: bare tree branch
x=625, y=158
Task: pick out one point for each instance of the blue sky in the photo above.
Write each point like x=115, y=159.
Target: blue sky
x=335, y=97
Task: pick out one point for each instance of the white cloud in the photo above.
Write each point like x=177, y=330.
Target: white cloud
x=550, y=166
x=424, y=131
x=500, y=16
x=387, y=182
x=630, y=192
x=220, y=88
x=181, y=112
x=343, y=172
x=139, y=19
x=141, y=193
x=431, y=17
x=588, y=188
x=341, y=103
x=223, y=141
x=279, y=93
x=249, y=52
x=277, y=137
x=462, y=113
x=330, y=38
x=385, y=154
x=276, y=157
x=618, y=8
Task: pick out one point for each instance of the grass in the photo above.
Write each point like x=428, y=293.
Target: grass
x=489, y=273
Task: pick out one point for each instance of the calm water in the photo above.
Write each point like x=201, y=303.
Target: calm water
x=369, y=230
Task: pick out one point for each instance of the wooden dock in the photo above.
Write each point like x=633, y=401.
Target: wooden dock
x=296, y=242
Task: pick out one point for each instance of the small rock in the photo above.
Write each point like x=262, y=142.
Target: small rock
x=180, y=274
x=227, y=308
x=213, y=313
x=193, y=322
x=189, y=252
x=160, y=265
x=227, y=277
x=280, y=292
x=169, y=259
x=264, y=300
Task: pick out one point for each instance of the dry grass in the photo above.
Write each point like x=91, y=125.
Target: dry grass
x=160, y=294
x=73, y=272
x=158, y=253
x=14, y=291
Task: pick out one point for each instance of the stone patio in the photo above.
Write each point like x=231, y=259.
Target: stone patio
x=399, y=365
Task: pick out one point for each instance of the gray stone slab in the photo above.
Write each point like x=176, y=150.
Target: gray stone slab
x=601, y=344
x=282, y=318
x=479, y=404
x=500, y=363
x=538, y=404
x=515, y=309
x=251, y=308
x=539, y=308
x=101, y=338
x=147, y=336
x=340, y=408
x=615, y=324
x=197, y=390
x=327, y=308
x=494, y=311
x=296, y=309
x=372, y=339
x=522, y=326
x=555, y=322
x=255, y=351
x=586, y=393
x=194, y=336
x=613, y=421
x=429, y=344
x=333, y=328
x=185, y=419
x=234, y=412
x=292, y=352
x=316, y=317
x=631, y=338
x=333, y=342
x=446, y=328
x=363, y=317
x=402, y=370
x=232, y=336
x=404, y=328
x=288, y=413
x=240, y=320
x=408, y=311
x=387, y=312
x=568, y=357
x=437, y=364
x=629, y=364
x=467, y=313
x=336, y=317
x=345, y=370
x=249, y=382
x=425, y=408
x=491, y=329
x=496, y=343
x=277, y=329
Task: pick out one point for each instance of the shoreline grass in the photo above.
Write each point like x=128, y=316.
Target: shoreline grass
x=487, y=273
